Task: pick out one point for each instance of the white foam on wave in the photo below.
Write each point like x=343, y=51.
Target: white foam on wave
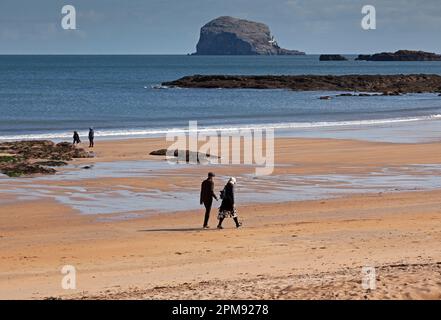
x=157, y=86
x=212, y=129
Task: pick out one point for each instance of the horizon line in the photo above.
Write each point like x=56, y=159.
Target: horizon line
x=166, y=54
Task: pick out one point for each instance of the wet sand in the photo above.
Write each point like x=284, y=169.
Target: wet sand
x=306, y=249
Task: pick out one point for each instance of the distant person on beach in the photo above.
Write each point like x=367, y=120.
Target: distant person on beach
x=227, y=208
x=91, y=137
x=76, y=138
x=207, y=195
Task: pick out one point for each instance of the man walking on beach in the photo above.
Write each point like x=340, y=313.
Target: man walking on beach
x=91, y=137
x=207, y=195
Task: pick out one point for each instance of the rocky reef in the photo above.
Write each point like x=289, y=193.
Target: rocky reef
x=401, y=55
x=183, y=155
x=412, y=83
x=332, y=57
x=232, y=36
x=21, y=158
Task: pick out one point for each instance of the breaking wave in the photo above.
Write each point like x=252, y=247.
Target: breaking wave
x=121, y=133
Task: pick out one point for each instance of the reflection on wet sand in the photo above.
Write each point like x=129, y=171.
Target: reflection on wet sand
x=128, y=201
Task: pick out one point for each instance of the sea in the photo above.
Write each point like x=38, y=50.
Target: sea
x=120, y=96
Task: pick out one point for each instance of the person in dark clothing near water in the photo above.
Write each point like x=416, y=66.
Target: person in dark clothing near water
x=227, y=208
x=91, y=137
x=76, y=138
x=207, y=195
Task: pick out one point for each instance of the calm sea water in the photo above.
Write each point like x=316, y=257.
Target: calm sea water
x=50, y=96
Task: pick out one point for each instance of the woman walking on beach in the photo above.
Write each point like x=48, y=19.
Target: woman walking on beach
x=227, y=208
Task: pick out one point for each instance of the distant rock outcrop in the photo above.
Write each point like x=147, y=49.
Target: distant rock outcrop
x=401, y=55
x=232, y=36
x=332, y=57
x=390, y=84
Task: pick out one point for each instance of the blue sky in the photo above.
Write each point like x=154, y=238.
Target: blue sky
x=172, y=26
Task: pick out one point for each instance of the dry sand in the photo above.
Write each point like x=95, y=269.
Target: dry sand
x=302, y=249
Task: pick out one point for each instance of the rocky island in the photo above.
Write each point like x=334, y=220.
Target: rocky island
x=401, y=55
x=232, y=36
x=411, y=83
x=332, y=57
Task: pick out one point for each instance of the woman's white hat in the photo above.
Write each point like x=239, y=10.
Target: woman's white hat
x=232, y=180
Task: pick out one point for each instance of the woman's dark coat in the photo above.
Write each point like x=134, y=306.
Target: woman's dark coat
x=228, y=199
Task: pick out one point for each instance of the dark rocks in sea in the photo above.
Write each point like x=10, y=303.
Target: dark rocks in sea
x=332, y=57
x=346, y=95
x=36, y=157
x=350, y=95
x=183, y=155
x=358, y=95
x=363, y=57
x=411, y=83
x=401, y=55
x=233, y=36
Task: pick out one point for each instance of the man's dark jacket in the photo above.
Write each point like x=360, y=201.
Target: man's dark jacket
x=207, y=191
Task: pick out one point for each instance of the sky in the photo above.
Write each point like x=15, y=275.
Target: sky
x=172, y=26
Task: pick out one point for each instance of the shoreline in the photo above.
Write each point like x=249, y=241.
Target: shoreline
x=364, y=130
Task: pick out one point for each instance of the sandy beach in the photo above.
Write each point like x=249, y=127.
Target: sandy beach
x=310, y=129
x=344, y=205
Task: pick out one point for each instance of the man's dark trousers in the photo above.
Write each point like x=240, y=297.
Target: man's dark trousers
x=207, y=205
